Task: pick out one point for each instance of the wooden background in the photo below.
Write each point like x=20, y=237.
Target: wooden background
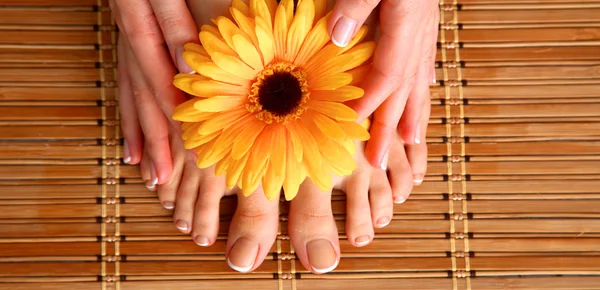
x=512, y=199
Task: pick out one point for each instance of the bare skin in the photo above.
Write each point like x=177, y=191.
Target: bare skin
x=194, y=194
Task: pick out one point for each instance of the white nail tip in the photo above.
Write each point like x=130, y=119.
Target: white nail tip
x=154, y=181
x=239, y=269
x=384, y=161
x=184, y=229
x=339, y=44
x=326, y=270
x=417, y=141
x=192, y=72
x=399, y=200
x=169, y=207
x=206, y=245
x=127, y=159
x=362, y=243
x=418, y=181
x=151, y=187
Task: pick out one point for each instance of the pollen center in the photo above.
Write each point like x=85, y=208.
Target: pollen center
x=279, y=93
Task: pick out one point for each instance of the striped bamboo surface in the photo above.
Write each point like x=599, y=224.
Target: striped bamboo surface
x=511, y=201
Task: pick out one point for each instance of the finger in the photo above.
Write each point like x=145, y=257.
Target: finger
x=393, y=65
x=312, y=229
x=153, y=123
x=130, y=126
x=347, y=17
x=138, y=23
x=383, y=129
x=145, y=169
x=399, y=173
x=411, y=118
x=417, y=154
x=252, y=232
x=178, y=28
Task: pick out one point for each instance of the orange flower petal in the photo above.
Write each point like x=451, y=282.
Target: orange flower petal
x=246, y=139
x=245, y=24
x=361, y=53
x=265, y=43
x=184, y=82
x=330, y=67
x=194, y=47
x=247, y=52
x=334, y=110
x=213, y=44
x=197, y=139
x=186, y=112
x=222, y=165
x=331, y=82
x=315, y=40
x=260, y=9
x=280, y=32
x=293, y=179
x=213, y=71
x=222, y=120
x=328, y=126
x=359, y=74
x=235, y=170
x=296, y=142
x=211, y=88
x=343, y=94
x=299, y=28
x=241, y=6
x=233, y=65
x=220, y=103
x=320, y=9
x=355, y=131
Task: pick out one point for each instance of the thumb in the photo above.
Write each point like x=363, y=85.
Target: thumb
x=347, y=17
x=178, y=28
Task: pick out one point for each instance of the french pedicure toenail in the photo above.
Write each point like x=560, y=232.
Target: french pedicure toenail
x=126, y=154
x=384, y=160
x=182, y=226
x=383, y=221
x=168, y=205
x=242, y=255
x=399, y=199
x=321, y=256
x=362, y=240
x=201, y=241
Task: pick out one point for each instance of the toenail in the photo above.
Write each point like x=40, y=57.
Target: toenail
x=152, y=184
x=201, y=241
x=168, y=205
x=321, y=256
x=242, y=255
x=418, y=179
x=399, y=199
x=384, y=160
x=182, y=225
x=383, y=221
x=362, y=240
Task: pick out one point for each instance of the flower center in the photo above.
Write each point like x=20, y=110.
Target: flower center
x=279, y=93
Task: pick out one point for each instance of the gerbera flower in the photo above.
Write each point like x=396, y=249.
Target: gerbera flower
x=269, y=89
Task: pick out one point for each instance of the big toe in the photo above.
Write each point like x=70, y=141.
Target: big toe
x=313, y=231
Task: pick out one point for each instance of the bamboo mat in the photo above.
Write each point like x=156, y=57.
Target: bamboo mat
x=511, y=201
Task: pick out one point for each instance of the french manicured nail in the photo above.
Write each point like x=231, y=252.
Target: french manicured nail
x=418, y=133
x=434, y=78
x=181, y=64
x=153, y=176
x=321, y=256
x=126, y=154
x=168, y=205
x=399, y=199
x=242, y=255
x=362, y=240
x=201, y=241
x=182, y=226
x=383, y=221
x=384, y=160
x=418, y=179
x=343, y=31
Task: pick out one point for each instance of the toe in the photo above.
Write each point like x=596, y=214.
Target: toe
x=359, y=227
x=206, y=213
x=186, y=198
x=252, y=232
x=312, y=229
x=417, y=154
x=380, y=199
x=167, y=191
x=400, y=173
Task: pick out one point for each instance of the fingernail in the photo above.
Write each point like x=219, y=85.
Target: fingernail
x=418, y=133
x=181, y=64
x=362, y=240
x=434, y=78
x=126, y=154
x=182, y=226
x=168, y=205
x=242, y=255
x=399, y=199
x=343, y=31
x=153, y=176
x=384, y=160
x=383, y=221
x=418, y=179
x=202, y=241
x=321, y=256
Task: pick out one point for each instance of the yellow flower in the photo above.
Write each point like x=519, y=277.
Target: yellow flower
x=269, y=89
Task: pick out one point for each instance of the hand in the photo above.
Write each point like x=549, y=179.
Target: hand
x=403, y=69
x=146, y=70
